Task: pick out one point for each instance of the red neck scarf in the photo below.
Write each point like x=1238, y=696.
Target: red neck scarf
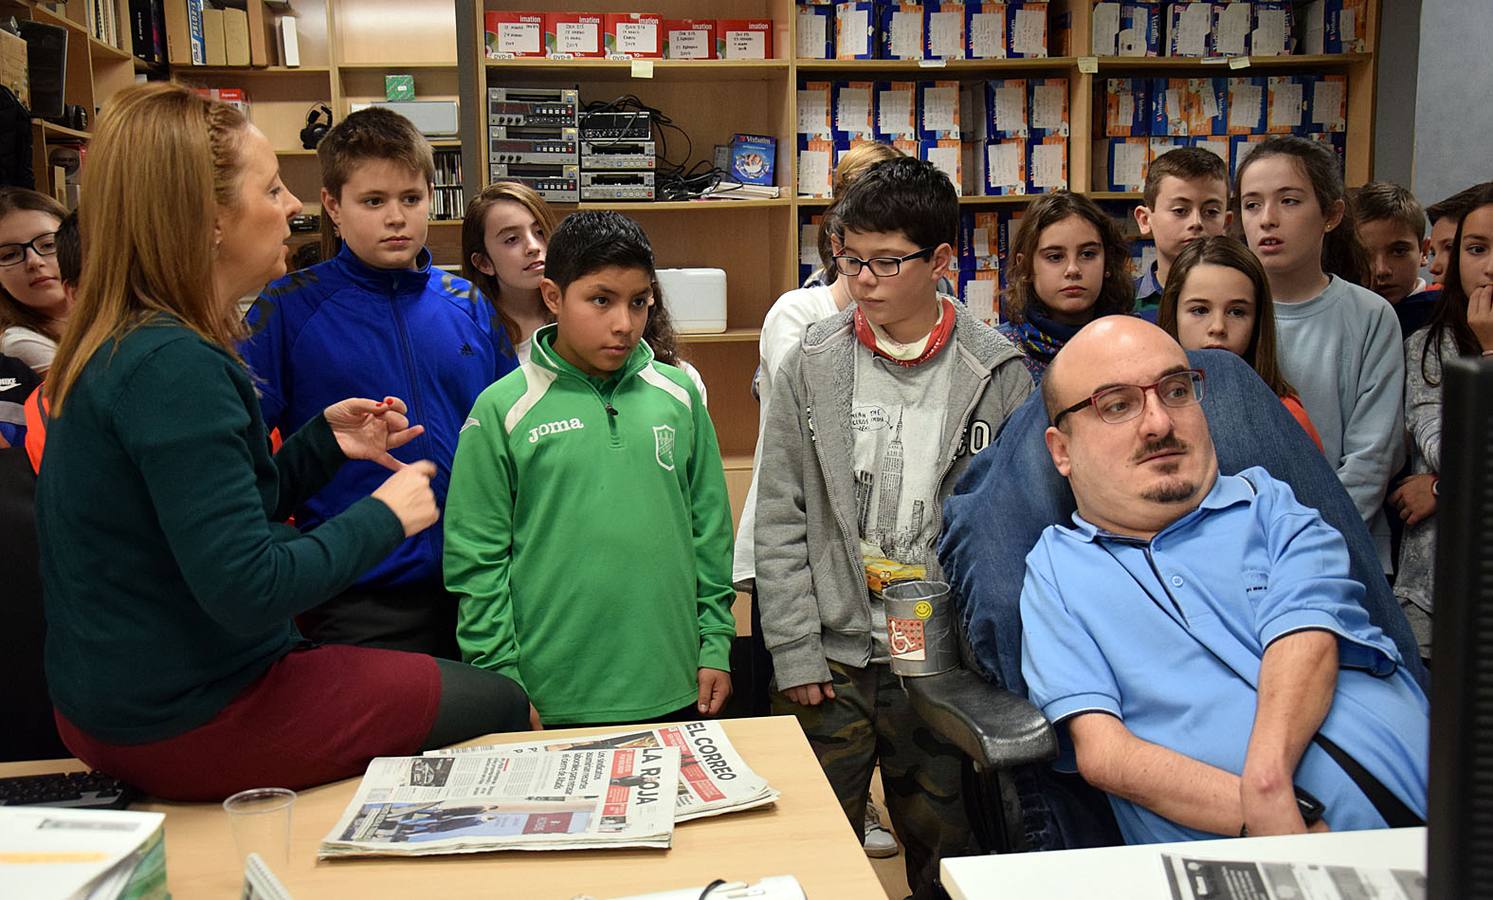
x=937, y=339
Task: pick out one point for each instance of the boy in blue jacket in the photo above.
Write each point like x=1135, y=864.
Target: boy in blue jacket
x=378, y=319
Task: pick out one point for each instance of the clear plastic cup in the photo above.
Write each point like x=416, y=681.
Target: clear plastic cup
x=260, y=820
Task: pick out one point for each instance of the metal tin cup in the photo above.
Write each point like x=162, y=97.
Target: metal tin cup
x=920, y=627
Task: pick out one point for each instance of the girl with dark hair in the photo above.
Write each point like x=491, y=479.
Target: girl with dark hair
x=1070, y=267
x=1218, y=298
x=1462, y=325
x=1339, y=343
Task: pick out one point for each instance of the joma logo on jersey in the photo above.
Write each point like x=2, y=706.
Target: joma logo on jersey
x=553, y=428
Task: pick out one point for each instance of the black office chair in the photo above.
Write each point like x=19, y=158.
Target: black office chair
x=27, y=729
x=1009, y=494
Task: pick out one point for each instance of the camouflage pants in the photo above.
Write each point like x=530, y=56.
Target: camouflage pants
x=871, y=720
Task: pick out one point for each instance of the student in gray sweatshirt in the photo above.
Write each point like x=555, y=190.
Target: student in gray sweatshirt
x=1338, y=343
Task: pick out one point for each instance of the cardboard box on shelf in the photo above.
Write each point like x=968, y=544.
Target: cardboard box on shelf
x=573, y=35
x=899, y=30
x=855, y=30
x=633, y=35
x=943, y=29
x=814, y=32
x=985, y=29
x=509, y=35
x=743, y=39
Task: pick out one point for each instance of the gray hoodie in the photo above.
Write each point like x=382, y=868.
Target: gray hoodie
x=811, y=581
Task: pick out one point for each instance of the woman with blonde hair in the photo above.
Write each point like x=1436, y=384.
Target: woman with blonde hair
x=171, y=654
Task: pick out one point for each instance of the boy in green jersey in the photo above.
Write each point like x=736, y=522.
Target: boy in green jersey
x=588, y=534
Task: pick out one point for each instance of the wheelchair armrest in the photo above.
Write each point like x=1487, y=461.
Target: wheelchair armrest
x=995, y=727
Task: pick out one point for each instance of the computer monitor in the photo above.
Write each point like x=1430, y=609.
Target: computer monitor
x=1459, y=861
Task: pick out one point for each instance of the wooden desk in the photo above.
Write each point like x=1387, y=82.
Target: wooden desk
x=804, y=834
x=1135, y=873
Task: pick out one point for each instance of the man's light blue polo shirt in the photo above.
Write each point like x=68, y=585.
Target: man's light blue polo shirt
x=1155, y=632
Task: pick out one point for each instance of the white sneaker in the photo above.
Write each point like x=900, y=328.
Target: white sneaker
x=879, y=842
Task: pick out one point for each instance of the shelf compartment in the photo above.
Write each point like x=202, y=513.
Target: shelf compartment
x=1222, y=65
x=621, y=70
x=729, y=336
x=249, y=71
x=933, y=69
x=676, y=205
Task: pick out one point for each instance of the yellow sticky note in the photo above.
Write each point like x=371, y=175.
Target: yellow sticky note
x=1238, y=62
x=1088, y=65
x=642, y=68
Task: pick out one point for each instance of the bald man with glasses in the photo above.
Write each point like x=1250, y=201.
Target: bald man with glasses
x=1196, y=638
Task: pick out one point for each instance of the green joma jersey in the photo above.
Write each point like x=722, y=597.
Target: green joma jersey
x=588, y=537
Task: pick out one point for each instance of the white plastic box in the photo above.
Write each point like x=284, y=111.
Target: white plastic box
x=696, y=299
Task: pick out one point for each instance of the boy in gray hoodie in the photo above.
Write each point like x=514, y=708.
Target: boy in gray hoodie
x=869, y=426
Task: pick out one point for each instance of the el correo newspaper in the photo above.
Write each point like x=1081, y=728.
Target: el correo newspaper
x=713, y=778
x=421, y=805
x=1213, y=879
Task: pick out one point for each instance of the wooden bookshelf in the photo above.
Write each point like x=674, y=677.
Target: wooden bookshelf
x=757, y=242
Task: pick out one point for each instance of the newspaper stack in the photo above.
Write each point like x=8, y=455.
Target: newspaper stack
x=713, y=779
x=423, y=806
x=47, y=852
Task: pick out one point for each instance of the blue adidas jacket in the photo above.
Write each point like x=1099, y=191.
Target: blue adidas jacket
x=345, y=329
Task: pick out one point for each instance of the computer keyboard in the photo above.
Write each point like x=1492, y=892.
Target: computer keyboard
x=78, y=790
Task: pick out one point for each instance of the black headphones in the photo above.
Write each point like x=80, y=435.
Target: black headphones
x=316, y=129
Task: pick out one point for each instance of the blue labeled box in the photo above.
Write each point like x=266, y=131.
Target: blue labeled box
x=1168, y=106
x=1047, y=107
x=1285, y=104
x=816, y=110
x=896, y=110
x=1000, y=167
x=1327, y=103
x=938, y=111
x=985, y=29
x=1273, y=31
x=1189, y=29
x=754, y=158
x=899, y=30
x=1208, y=106
x=1140, y=29
x=1125, y=162
x=1247, y=105
x=1232, y=28
x=947, y=157
x=1026, y=29
x=815, y=32
x=854, y=105
x=1126, y=28
x=1127, y=107
x=1001, y=109
x=943, y=29
x=979, y=242
x=1047, y=164
x=855, y=30
x=816, y=166
x=1334, y=26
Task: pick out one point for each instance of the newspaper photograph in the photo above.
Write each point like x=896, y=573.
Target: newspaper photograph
x=1213, y=879
x=713, y=778
x=420, y=805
